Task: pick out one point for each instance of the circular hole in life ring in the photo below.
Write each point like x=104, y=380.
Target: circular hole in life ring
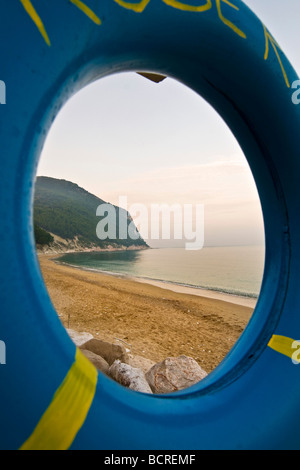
x=127, y=138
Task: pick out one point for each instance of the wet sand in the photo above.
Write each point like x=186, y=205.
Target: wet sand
x=233, y=299
x=152, y=320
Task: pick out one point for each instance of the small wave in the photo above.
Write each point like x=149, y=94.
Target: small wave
x=251, y=295
x=221, y=290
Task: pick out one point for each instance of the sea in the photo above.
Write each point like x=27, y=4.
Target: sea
x=231, y=273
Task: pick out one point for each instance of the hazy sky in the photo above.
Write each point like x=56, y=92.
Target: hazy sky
x=162, y=143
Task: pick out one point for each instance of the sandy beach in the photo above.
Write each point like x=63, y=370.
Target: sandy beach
x=150, y=319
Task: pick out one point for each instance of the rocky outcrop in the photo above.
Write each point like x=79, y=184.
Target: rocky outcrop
x=109, y=351
x=173, y=374
x=62, y=246
x=129, y=377
x=96, y=360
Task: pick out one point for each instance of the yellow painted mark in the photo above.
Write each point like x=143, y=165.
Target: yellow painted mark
x=68, y=410
x=286, y=346
x=137, y=7
x=185, y=7
x=275, y=45
x=226, y=21
x=86, y=10
x=36, y=19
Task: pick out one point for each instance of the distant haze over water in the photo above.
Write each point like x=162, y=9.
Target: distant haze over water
x=235, y=270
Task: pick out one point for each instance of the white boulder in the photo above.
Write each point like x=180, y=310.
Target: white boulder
x=174, y=373
x=79, y=338
x=129, y=377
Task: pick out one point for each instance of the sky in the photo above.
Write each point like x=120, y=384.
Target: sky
x=162, y=143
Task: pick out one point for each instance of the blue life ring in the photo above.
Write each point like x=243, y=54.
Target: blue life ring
x=50, y=397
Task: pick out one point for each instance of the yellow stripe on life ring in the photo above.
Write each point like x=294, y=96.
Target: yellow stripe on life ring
x=36, y=19
x=68, y=410
x=87, y=11
x=287, y=346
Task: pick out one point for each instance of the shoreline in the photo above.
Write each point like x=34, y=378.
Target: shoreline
x=154, y=321
x=172, y=286
x=201, y=292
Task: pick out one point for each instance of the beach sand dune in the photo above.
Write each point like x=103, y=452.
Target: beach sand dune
x=154, y=322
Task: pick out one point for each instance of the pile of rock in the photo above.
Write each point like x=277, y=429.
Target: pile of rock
x=136, y=372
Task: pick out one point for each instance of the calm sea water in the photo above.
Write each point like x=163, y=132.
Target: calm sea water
x=232, y=270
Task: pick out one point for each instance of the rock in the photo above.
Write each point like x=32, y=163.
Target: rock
x=174, y=373
x=140, y=362
x=109, y=351
x=79, y=338
x=129, y=376
x=98, y=361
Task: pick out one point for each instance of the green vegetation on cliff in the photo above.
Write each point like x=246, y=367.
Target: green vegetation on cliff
x=41, y=236
x=68, y=211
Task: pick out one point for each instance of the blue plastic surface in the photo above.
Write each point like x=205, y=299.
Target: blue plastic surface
x=251, y=401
